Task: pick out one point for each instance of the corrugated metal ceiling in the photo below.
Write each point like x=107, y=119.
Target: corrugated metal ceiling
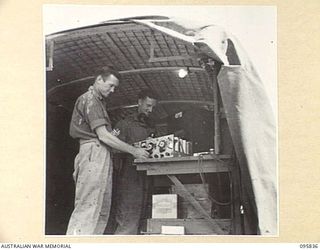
x=127, y=46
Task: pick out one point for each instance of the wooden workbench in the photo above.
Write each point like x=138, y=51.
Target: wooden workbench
x=185, y=165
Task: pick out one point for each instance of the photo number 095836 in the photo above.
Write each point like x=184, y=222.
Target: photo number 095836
x=309, y=246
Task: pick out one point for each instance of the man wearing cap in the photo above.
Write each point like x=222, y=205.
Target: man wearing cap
x=90, y=124
x=129, y=198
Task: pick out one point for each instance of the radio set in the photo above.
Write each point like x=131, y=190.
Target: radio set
x=166, y=146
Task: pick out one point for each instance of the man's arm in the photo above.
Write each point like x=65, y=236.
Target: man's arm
x=112, y=141
x=122, y=127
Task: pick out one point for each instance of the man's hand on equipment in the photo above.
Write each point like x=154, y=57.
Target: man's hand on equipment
x=140, y=153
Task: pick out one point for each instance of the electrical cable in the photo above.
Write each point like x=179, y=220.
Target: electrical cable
x=201, y=173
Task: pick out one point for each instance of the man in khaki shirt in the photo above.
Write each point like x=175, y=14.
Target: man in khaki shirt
x=131, y=184
x=90, y=124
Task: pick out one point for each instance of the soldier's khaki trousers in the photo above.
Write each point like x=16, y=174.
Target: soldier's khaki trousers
x=93, y=179
x=130, y=199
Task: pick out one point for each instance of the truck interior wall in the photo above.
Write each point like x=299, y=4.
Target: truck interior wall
x=60, y=153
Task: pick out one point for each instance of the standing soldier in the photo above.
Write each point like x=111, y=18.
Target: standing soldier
x=130, y=182
x=93, y=168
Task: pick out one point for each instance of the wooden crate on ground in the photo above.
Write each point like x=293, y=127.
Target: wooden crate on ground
x=201, y=193
x=188, y=211
x=191, y=226
x=196, y=190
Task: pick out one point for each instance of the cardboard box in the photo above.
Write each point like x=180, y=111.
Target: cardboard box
x=200, y=193
x=187, y=210
x=164, y=206
x=196, y=190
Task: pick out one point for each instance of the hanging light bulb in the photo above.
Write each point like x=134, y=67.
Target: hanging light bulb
x=183, y=73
